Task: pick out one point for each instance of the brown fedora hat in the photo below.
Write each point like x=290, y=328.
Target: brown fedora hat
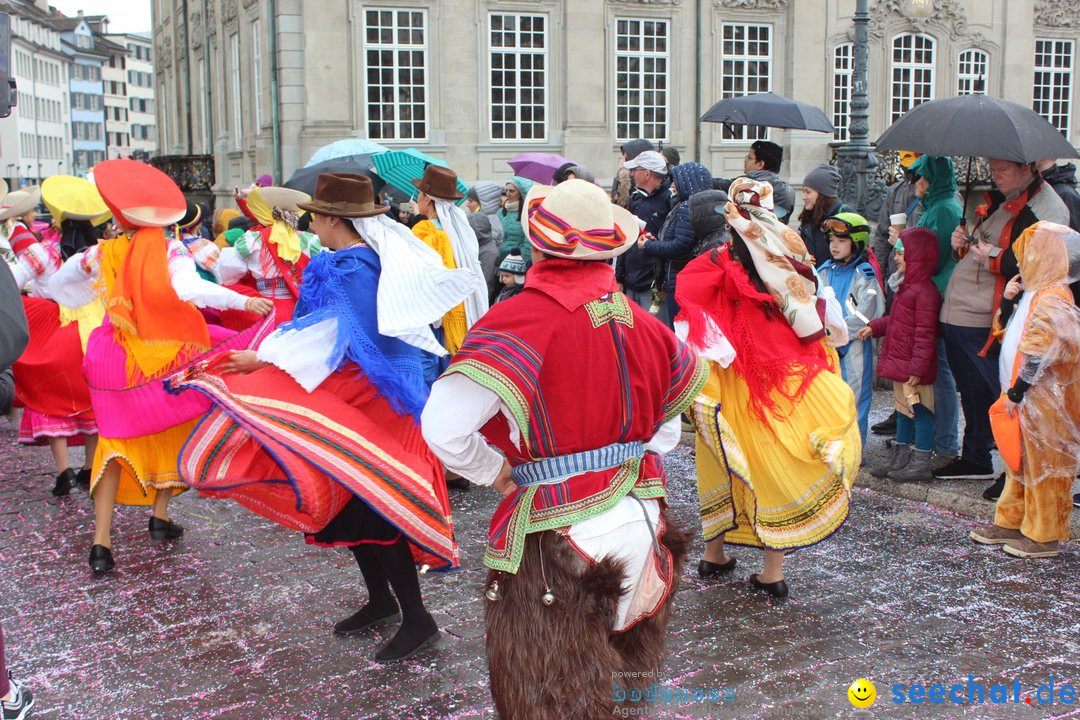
x=344, y=195
x=439, y=182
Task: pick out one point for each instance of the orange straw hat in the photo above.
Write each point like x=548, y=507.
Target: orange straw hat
x=139, y=195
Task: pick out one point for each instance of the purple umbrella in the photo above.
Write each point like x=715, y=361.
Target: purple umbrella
x=537, y=166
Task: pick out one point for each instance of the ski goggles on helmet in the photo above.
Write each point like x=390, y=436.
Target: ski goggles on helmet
x=843, y=229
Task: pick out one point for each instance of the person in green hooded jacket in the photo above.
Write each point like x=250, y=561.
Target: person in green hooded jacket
x=935, y=185
x=510, y=216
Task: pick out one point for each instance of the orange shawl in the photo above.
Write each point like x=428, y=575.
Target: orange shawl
x=152, y=323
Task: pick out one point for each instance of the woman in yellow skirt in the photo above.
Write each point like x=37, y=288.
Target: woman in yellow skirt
x=152, y=329
x=778, y=445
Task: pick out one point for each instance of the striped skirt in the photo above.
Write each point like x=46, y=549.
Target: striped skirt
x=299, y=458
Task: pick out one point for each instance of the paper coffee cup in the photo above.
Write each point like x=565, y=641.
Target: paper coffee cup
x=898, y=220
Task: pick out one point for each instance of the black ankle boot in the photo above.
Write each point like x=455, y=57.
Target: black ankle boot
x=64, y=482
x=83, y=478
x=777, y=589
x=366, y=617
x=164, y=529
x=410, y=639
x=101, y=559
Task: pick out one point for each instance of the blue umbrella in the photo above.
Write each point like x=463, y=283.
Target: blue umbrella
x=345, y=148
x=400, y=167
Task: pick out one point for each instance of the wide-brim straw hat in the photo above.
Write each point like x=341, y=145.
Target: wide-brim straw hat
x=19, y=202
x=72, y=198
x=138, y=194
x=283, y=197
x=439, y=182
x=345, y=195
x=576, y=219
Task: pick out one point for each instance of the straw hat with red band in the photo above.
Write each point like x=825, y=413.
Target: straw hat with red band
x=576, y=219
x=19, y=202
x=139, y=195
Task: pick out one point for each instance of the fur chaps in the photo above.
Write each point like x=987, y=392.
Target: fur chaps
x=557, y=662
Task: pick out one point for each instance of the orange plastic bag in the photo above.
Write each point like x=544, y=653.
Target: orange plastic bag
x=1006, y=434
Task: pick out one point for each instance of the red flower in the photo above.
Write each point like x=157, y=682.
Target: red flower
x=982, y=211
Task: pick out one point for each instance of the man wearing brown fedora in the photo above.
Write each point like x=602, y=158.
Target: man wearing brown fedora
x=347, y=380
x=580, y=389
x=448, y=232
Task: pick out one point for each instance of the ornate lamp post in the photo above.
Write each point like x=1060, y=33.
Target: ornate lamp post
x=855, y=158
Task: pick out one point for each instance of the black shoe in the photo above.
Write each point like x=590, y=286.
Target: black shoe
x=706, y=569
x=886, y=426
x=164, y=529
x=101, y=559
x=21, y=702
x=993, y=492
x=961, y=469
x=64, y=482
x=408, y=641
x=777, y=589
x=83, y=478
x=456, y=482
x=365, y=618
x=1076, y=500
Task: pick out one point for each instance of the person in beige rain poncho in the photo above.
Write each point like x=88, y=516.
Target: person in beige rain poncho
x=1039, y=369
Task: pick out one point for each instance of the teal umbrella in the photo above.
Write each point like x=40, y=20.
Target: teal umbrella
x=400, y=167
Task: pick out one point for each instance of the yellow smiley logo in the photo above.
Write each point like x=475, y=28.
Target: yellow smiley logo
x=862, y=693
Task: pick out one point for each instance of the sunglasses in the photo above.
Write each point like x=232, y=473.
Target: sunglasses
x=842, y=228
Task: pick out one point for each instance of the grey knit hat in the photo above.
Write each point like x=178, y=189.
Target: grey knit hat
x=513, y=263
x=825, y=180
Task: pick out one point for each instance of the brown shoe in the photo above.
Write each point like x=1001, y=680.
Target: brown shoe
x=995, y=535
x=1028, y=548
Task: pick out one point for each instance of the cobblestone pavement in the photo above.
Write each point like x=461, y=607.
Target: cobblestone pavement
x=233, y=621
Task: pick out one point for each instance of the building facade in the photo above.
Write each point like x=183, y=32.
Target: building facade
x=88, y=54
x=139, y=99
x=35, y=141
x=261, y=84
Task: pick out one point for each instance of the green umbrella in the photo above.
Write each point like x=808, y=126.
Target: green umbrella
x=400, y=167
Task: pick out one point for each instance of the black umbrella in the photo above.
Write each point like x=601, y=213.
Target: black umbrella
x=977, y=126
x=305, y=178
x=769, y=110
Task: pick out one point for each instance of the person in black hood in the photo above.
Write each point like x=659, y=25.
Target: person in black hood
x=76, y=235
x=1063, y=179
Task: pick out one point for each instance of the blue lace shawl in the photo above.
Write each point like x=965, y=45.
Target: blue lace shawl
x=343, y=285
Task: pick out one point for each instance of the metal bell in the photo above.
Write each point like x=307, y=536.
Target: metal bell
x=492, y=593
x=548, y=598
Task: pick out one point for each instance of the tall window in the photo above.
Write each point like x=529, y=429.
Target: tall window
x=843, y=65
x=1053, y=82
x=519, y=48
x=641, y=88
x=971, y=71
x=912, y=72
x=395, y=49
x=256, y=71
x=746, y=68
x=234, y=69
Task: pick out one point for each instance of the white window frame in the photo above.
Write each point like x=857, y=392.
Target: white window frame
x=372, y=106
x=901, y=103
x=843, y=69
x=237, y=105
x=518, y=53
x=742, y=81
x=969, y=79
x=638, y=79
x=1056, y=105
x=256, y=71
